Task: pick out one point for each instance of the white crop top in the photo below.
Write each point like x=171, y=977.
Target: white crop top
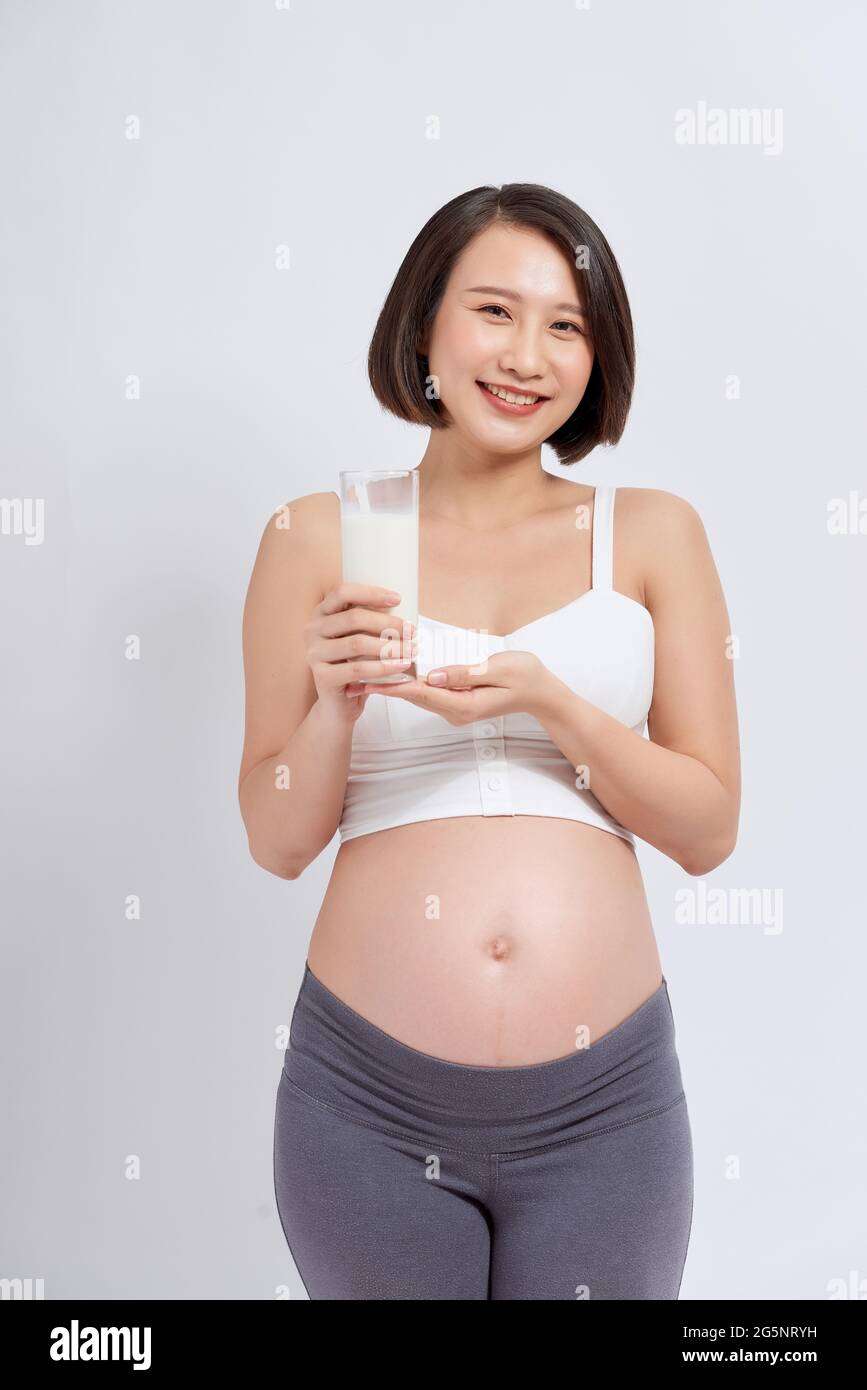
x=409, y=764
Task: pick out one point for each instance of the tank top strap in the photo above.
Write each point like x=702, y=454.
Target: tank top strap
x=603, y=538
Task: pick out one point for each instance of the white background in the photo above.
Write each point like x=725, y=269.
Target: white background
x=156, y=257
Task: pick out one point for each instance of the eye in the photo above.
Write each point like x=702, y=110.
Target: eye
x=565, y=323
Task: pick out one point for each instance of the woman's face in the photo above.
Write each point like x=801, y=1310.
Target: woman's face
x=528, y=335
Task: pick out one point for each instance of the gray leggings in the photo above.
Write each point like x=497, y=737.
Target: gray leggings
x=401, y=1176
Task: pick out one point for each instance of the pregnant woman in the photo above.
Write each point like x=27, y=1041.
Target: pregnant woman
x=481, y=1097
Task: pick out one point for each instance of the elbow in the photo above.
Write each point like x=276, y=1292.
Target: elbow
x=702, y=859
x=289, y=871
x=279, y=870
x=274, y=860
x=279, y=867
x=281, y=859
x=282, y=864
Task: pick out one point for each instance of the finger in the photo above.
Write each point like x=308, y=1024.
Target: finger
x=425, y=696
x=337, y=674
x=403, y=688
x=365, y=620
x=361, y=644
x=368, y=672
x=458, y=677
x=368, y=595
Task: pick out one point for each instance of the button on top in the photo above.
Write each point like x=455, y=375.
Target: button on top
x=488, y=729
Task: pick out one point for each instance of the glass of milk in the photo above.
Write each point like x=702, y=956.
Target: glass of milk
x=379, y=539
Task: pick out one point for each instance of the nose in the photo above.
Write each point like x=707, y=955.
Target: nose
x=523, y=354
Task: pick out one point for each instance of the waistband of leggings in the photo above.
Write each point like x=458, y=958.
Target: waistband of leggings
x=346, y=1062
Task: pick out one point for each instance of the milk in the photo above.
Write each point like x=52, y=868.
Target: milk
x=382, y=548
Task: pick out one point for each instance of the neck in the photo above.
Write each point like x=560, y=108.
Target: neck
x=477, y=489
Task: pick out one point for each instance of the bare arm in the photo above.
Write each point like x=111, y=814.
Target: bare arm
x=303, y=655
x=680, y=789
x=295, y=764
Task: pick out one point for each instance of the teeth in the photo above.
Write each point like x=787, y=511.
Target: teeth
x=509, y=395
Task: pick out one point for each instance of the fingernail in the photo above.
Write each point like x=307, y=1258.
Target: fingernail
x=437, y=677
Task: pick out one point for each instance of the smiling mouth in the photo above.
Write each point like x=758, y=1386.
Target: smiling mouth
x=510, y=402
x=510, y=395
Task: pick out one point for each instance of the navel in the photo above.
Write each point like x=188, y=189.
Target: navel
x=499, y=947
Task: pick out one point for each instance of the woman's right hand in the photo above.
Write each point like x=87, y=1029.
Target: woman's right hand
x=349, y=640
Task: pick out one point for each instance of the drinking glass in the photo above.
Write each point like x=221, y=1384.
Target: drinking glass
x=379, y=541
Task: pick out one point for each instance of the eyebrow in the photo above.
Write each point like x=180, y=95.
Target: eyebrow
x=519, y=298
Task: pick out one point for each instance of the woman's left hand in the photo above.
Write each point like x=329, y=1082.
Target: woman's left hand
x=505, y=683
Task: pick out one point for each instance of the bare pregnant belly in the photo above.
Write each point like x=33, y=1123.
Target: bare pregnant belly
x=488, y=940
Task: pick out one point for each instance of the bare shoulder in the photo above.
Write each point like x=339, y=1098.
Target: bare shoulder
x=303, y=534
x=663, y=534
x=310, y=516
x=653, y=510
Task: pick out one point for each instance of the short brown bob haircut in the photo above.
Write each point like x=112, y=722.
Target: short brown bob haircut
x=398, y=371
